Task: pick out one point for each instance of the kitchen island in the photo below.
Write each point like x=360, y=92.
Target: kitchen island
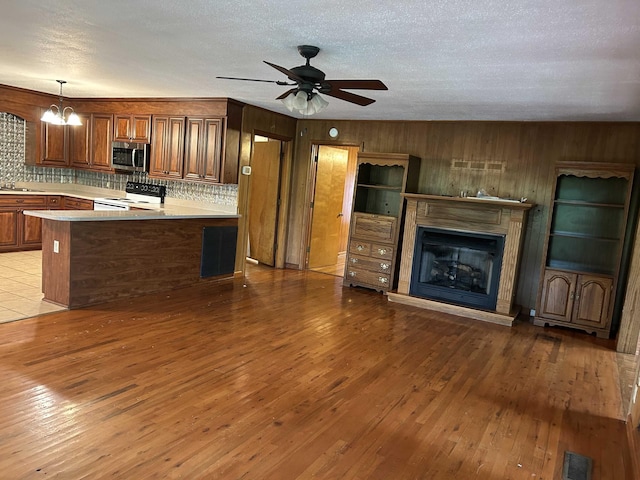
x=91, y=257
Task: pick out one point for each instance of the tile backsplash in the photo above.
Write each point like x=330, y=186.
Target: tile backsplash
x=13, y=169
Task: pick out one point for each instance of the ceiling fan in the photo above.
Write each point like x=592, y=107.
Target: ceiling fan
x=307, y=78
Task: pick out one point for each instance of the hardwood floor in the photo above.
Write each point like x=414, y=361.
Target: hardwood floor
x=292, y=376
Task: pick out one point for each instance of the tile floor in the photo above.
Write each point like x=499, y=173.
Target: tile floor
x=20, y=286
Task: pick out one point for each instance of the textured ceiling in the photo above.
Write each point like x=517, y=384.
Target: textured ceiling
x=442, y=59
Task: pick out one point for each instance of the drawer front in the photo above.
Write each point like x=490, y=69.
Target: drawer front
x=23, y=201
x=374, y=227
x=368, y=263
x=357, y=275
x=384, y=252
x=358, y=247
x=71, y=203
x=54, y=201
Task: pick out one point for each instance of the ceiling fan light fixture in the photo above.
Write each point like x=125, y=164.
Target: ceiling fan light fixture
x=304, y=104
x=288, y=101
x=318, y=103
x=300, y=100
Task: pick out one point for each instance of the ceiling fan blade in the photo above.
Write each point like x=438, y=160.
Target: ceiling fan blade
x=286, y=94
x=287, y=72
x=277, y=82
x=350, y=97
x=357, y=84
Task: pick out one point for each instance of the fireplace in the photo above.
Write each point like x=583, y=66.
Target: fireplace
x=462, y=268
x=477, y=257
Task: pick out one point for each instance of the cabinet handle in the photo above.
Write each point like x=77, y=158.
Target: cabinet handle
x=352, y=274
x=382, y=251
x=353, y=260
x=572, y=296
x=383, y=280
x=360, y=248
x=384, y=266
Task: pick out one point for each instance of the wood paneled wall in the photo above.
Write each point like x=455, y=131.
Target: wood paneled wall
x=257, y=120
x=507, y=159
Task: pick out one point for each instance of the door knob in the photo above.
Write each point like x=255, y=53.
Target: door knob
x=340, y=214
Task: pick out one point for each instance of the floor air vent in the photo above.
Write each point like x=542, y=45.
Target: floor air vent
x=576, y=467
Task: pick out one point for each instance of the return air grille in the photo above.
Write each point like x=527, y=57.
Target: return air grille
x=576, y=467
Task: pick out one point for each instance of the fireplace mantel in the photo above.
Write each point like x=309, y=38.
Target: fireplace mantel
x=466, y=214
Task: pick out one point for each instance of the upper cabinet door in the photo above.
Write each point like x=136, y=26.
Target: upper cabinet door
x=79, y=144
x=132, y=128
x=167, y=150
x=203, y=149
x=54, y=141
x=101, y=128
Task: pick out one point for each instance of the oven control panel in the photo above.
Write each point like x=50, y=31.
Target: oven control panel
x=146, y=189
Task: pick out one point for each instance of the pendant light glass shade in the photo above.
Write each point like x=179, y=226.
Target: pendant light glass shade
x=304, y=103
x=56, y=113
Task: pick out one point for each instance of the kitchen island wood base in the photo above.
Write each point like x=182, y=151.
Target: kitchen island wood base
x=91, y=262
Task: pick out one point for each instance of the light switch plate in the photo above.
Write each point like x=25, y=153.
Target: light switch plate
x=56, y=246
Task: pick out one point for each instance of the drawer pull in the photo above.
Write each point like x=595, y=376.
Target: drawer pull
x=384, y=266
x=352, y=274
x=353, y=260
x=383, y=280
x=382, y=251
x=20, y=200
x=360, y=248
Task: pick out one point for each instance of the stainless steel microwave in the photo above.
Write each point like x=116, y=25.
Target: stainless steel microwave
x=133, y=157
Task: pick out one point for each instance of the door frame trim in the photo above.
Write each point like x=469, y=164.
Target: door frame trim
x=310, y=191
x=284, y=192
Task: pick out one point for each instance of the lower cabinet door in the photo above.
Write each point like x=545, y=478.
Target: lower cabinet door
x=31, y=230
x=593, y=300
x=558, y=289
x=8, y=228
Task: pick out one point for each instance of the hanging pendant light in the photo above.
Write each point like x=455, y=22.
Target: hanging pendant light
x=56, y=114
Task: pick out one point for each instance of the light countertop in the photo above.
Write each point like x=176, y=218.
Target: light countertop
x=171, y=209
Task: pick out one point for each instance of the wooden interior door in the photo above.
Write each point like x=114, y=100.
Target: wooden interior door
x=326, y=223
x=264, y=187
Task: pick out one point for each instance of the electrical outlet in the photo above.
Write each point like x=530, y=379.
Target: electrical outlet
x=56, y=246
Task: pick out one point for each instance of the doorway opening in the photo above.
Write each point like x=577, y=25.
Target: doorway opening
x=265, y=225
x=334, y=170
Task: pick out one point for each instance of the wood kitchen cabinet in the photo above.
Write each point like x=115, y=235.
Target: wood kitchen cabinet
x=167, y=148
x=74, y=203
x=8, y=229
x=377, y=211
x=79, y=138
x=54, y=145
x=18, y=231
x=100, y=145
x=584, y=245
x=85, y=146
x=132, y=128
x=202, y=151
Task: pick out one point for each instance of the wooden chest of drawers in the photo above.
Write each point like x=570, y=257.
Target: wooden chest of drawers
x=371, y=256
x=377, y=208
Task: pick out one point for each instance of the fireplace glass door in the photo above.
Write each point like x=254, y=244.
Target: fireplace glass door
x=462, y=268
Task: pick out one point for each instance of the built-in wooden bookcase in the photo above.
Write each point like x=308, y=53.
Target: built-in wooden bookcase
x=585, y=237
x=376, y=219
